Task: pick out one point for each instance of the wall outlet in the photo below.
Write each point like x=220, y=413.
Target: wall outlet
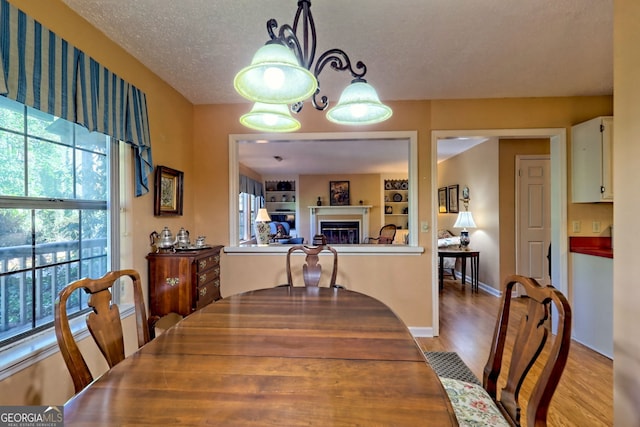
x=576, y=226
x=595, y=226
x=424, y=226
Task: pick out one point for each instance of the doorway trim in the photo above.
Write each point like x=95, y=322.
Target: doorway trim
x=559, y=245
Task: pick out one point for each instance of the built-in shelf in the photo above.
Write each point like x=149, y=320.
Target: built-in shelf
x=396, y=202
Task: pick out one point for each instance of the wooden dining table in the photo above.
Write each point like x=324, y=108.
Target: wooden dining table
x=283, y=356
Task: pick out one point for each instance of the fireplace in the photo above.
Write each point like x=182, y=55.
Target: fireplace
x=341, y=232
x=350, y=224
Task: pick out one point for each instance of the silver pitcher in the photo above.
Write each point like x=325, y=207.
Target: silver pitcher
x=183, y=238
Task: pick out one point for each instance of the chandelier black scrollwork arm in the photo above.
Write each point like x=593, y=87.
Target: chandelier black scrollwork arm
x=272, y=24
x=339, y=61
x=308, y=32
x=288, y=37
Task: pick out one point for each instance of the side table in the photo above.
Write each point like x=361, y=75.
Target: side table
x=463, y=255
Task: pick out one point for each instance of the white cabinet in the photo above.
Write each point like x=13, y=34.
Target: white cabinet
x=593, y=302
x=591, y=160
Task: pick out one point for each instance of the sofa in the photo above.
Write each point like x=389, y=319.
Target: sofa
x=284, y=229
x=447, y=240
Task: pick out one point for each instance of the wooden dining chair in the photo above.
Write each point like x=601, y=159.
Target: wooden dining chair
x=312, y=269
x=103, y=323
x=526, y=343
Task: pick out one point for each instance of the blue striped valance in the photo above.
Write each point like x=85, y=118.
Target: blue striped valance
x=250, y=186
x=43, y=71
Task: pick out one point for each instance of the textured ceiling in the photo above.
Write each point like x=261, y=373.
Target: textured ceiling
x=413, y=49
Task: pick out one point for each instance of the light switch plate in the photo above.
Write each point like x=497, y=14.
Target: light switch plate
x=424, y=226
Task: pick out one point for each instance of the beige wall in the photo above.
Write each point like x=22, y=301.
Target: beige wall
x=477, y=169
x=171, y=126
x=509, y=149
x=626, y=268
x=411, y=274
x=194, y=139
x=365, y=187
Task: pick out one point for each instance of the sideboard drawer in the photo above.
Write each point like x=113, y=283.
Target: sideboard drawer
x=208, y=292
x=182, y=282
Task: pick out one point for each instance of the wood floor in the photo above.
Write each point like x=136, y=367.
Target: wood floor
x=584, y=396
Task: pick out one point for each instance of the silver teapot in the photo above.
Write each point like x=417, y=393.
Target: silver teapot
x=162, y=241
x=183, y=238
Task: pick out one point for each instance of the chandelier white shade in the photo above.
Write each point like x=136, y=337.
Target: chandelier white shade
x=275, y=77
x=270, y=118
x=286, y=71
x=359, y=105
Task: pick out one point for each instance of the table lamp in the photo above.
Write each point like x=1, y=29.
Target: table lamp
x=262, y=228
x=465, y=220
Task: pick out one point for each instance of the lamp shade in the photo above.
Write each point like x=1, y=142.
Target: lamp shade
x=275, y=77
x=263, y=215
x=464, y=220
x=359, y=105
x=270, y=118
x=262, y=228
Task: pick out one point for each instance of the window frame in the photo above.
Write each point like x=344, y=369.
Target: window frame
x=39, y=342
x=250, y=203
x=411, y=138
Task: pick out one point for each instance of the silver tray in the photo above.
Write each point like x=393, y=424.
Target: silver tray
x=193, y=248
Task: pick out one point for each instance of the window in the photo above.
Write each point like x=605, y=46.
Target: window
x=54, y=214
x=247, y=208
x=309, y=151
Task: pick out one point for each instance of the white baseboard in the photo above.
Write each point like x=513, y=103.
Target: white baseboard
x=488, y=289
x=421, y=331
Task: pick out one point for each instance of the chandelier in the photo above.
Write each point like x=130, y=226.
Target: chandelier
x=279, y=79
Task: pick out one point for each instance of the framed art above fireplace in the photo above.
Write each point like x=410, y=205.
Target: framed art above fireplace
x=339, y=193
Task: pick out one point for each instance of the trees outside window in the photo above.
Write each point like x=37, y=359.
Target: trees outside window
x=54, y=214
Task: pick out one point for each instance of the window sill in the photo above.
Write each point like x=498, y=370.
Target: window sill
x=24, y=353
x=341, y=249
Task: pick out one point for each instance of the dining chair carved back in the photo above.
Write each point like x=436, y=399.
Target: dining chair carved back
x=530, y=343
x=532, y=334
x=312, y=269
x=103, y=323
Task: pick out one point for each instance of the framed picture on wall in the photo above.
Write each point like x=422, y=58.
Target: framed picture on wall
x=442, y=200
x=339, y=193
x=168, y=191
x=453, y=198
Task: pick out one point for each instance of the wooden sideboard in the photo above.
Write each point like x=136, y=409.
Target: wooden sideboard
x=182, y=282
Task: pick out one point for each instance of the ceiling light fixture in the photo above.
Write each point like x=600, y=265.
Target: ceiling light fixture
x=270, y=117
x=280, y=74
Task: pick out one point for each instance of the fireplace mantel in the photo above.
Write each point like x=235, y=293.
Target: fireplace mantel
x=362, y=210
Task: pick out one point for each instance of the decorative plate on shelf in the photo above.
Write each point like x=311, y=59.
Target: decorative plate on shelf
x=397, y=197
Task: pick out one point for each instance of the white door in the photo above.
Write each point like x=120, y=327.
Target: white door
x=533, y=214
